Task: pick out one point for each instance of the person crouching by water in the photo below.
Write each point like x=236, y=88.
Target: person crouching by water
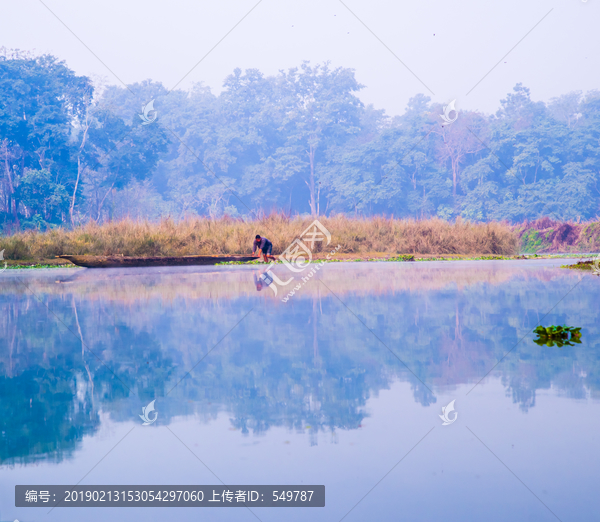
x=265, y=246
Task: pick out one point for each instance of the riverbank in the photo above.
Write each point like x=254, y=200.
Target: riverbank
x=362, y=239
x=228, y=236
x=549, y=236
x=41, y=263
x=341, y=258
x=587, y=265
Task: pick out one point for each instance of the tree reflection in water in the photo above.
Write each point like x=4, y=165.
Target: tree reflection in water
x=306, y=363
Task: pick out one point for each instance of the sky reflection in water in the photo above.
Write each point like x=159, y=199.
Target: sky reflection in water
x=303, y=392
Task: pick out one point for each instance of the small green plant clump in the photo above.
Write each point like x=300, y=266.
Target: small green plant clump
x=403, y=257
x=581, y=265
x=38, y=265
x=559, y=335
x=224, y=263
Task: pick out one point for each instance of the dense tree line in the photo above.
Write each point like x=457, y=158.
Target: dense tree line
x=300, y=141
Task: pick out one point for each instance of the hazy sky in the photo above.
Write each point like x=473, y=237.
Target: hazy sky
x=449, y=45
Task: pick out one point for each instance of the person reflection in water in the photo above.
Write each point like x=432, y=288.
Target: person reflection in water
x=258, y=283
x=262, y=281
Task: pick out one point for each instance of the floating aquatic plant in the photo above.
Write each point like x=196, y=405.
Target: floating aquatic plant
x=580, y=265
x=403, y=257
x=559, y=335
x=255, y=262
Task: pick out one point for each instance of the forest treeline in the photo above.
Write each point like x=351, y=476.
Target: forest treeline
x=301, y=142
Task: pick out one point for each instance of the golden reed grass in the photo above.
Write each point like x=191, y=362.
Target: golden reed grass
x=233, y=236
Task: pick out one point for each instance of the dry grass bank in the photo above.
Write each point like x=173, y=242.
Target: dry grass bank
x=229, y=236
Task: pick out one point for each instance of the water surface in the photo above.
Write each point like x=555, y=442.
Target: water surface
x=342, y=385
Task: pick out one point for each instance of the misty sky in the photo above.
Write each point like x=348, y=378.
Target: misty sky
x=448, y=45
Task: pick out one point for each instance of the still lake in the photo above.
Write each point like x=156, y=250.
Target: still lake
x=343, y=385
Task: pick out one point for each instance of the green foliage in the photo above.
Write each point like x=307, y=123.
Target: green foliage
x=531, y=241
x=47, y=202
x=403, y=257
x=300, y=140
x=41, y=99
x=57, y=145
x=581, y=265
x=559, y=335
x=19, y=266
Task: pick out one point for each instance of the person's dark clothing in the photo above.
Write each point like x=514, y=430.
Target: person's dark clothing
x=264, y=245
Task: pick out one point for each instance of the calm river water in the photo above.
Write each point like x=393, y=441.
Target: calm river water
x=342, y=385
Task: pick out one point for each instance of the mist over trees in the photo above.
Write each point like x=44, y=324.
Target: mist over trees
x=300, y=141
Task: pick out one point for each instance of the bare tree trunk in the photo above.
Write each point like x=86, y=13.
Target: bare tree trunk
x=15, y=206
x=12, y=203
x=319, y=199
x=311, y=183
x=102, y=202
x=7, y=167
x=87, y=368
x=75, y=192
x=13, y=337
x=454, y=175
x=79, y=169
x=77, y=322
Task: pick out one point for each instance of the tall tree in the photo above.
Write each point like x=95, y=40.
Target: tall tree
x=321, y=111
x=41, y=98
